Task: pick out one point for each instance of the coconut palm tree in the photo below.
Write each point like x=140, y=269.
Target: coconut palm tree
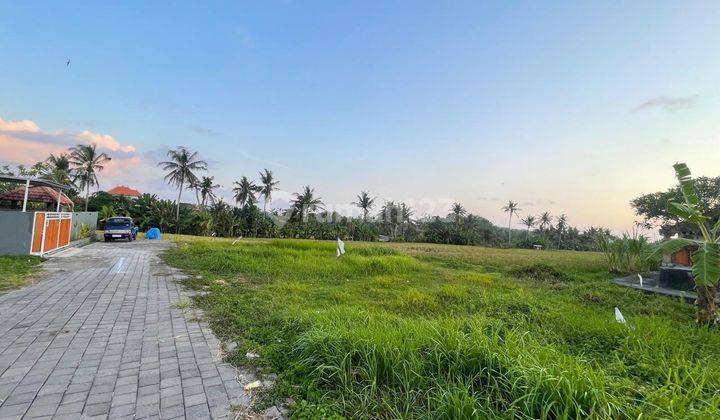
x=245, y=191
x=57, y=169
x=267, y=186
x=366, y=203
x=512, y=208
x=207, y=186
x=195, y=186
x=181, y=170
x=561, y=226
x=529, y=221
x=405, y=215
x=306, y=202
x=545, y=220
x=457, y=211
x=87, y=162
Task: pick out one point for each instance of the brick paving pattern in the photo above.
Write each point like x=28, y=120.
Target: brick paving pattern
x=101, y=337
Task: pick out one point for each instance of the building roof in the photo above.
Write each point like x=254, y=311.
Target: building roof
x=123, y=190
x=37, y=194
x=32, y=181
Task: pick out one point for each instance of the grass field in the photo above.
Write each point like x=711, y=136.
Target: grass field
x=16, y=271
x=432, y=331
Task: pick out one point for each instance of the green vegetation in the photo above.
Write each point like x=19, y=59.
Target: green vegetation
x=706, y=259
x=436, y=331
x=87, y=162
x=629, y=254
x=16, y=271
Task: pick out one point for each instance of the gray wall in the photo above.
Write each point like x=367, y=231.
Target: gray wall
x=15, y=232
x=89, y=218
x=16, y=229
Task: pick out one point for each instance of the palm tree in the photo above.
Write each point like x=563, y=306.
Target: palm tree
x=305, y=202
x=545, y=220
x=195, y=186
x=245, y=191
x=529, y=221
x=87, y=163
x=391, y=215
x=457, y=211
x=57, y=169
x=180, y=170
x=366, y=203
x=512, y=208
x=206, y=186
x=267, y=186
x=405, y=215
x=561, y=226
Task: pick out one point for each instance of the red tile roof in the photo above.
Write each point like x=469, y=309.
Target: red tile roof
x=37, y=194
x=123, y=190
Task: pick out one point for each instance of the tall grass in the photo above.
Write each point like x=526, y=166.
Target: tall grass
x=453, y=332
x=629, y=254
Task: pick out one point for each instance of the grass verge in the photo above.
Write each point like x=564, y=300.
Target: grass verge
x=415, y=330
x=17, y=271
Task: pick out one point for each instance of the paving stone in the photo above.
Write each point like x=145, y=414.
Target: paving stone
x=99, y=337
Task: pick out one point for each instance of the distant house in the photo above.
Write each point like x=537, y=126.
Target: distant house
x=124, y=191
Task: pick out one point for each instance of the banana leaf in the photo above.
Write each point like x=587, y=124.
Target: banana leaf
x=706, y=264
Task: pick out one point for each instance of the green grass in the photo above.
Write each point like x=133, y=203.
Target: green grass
x=17, y=271
x=431, y=331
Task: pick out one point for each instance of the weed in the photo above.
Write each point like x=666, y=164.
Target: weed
x=182, y=304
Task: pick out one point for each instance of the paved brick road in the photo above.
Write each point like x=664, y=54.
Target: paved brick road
x=100, y=336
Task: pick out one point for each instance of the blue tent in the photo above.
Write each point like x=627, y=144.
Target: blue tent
x=153, y=233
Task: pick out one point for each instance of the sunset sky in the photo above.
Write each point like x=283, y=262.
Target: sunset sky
x=573, y=107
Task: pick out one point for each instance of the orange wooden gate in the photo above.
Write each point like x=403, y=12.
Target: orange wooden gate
x=51, y=231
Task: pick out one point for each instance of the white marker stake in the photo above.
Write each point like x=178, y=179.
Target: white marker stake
x=619, y=316
x=340, y=247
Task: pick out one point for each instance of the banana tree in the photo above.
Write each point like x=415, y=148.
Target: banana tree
x=706, y=260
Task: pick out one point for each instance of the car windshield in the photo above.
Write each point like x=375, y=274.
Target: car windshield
x=117, y=223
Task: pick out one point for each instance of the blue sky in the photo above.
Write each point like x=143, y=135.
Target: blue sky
x=572, y=107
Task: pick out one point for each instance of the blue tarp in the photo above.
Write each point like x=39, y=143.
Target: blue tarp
x=153, y=233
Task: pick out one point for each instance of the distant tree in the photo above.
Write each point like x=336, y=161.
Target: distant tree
x=405, y=214
x=457, y=211
x=366, y=203
x=305, y=203
x=87, y=162
x=181, y=168
x=512, y=208
x=245, y=191
x=529, y=222
x=57, y=169
x=268, y=184
x=545, y=221
x=653, y=208
x=561, y=226
x=195, y=186
x=207, y=188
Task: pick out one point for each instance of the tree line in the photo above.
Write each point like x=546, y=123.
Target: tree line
x=306, y=217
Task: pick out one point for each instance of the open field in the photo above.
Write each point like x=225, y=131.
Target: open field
x=16, y=271
x=418, y=330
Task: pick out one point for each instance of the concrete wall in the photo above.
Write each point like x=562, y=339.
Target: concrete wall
x=89, y=218
x=16, y=229
x=15, y=232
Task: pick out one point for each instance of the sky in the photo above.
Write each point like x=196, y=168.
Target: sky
x=568, y=107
